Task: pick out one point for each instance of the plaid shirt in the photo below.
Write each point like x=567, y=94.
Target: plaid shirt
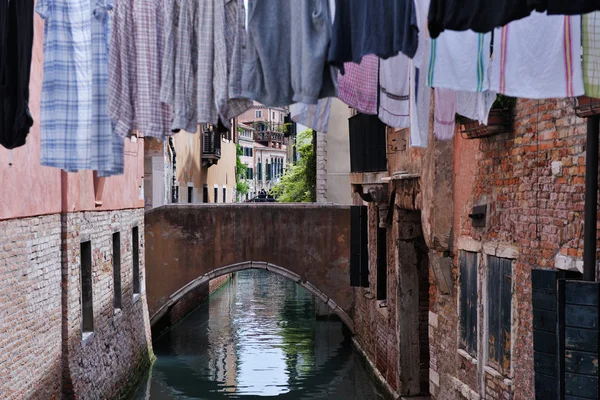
x=229, y=34
x=76, y=133
x=135, y=69
x=186, y=72
x=358, y=87
x=208, y=66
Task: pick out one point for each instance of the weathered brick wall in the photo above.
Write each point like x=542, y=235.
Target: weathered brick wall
x=30, y=308
x=119, y=350
x=375, y=326
x=532, y=180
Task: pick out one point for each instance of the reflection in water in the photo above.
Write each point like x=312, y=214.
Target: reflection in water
x=257, y=337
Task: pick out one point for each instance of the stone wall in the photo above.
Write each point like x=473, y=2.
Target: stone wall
x=532, y=181
x=119, y=348
x=30, y=308
x=45, y=355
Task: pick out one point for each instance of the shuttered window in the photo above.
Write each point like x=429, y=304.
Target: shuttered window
x=381, y=263
x=499, y=306
x=135, y=247
x=87, y=298
x=468, y=302
x=359, y=247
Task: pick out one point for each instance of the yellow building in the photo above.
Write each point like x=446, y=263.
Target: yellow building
x=191, y=168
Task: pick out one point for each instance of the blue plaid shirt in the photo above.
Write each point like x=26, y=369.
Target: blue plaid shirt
x=76, y=133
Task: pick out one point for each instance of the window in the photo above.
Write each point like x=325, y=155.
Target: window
x=260, y=172
x=258, y=114
x=224, y=195
x=468, y=302
x=116, y=259
x=216, y=194
x=87, y=298
x=499, y=307
x=135, y=245
x=273, y=115
x=190, y=194
x=205, y=194
x=359, y=247
x=381, y=262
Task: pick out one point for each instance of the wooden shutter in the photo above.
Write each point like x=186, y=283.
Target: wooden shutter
x=359, y=247
x=468, y=302
x=578, y=339
x=499, y=297
x=381, y=263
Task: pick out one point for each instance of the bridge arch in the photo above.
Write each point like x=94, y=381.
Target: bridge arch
x=196, y=283
x=187, y=245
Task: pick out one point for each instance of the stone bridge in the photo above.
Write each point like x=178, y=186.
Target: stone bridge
x=187, y=245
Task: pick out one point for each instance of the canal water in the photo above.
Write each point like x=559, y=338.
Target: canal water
x=257, y=337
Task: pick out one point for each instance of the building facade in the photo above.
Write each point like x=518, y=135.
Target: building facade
x=444, y=298
x=246, y=142
x=191, y=168
x=73, y=314
x=333, y=157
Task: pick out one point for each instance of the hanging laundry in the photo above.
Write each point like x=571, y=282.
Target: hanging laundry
x=460, y=61
x=185, y=90
x=538, y=57
x=475, y=106
x=286, y=52
x=171, y=12
x=313, y=116
x=358, y=86
x=230, y=36
x=420, y=93
x=135, y=73
x=591, y=54
x=16, y=42
x=394, y=91
x=76, y=133
x=481, y=16
x=562, y=7
x=445, y=113
x=383, y=28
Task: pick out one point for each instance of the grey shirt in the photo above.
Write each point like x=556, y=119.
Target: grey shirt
x=286, y=52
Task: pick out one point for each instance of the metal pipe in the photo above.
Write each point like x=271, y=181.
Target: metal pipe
x=591, y=199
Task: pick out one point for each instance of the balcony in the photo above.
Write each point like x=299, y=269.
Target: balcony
x=211, y=148
x=367, y=144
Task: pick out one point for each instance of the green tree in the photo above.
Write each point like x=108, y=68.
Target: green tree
x=241, y=186
x=298, y=183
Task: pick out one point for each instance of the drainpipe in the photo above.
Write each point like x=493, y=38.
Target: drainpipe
x=591, y=199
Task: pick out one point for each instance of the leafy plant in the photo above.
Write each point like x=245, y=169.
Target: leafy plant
x=241, y=186
x=298, y=183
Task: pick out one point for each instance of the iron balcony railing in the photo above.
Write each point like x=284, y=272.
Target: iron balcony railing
x=367, y=144
x=211, y=145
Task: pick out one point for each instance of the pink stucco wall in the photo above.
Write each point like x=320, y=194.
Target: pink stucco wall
x=27, y=189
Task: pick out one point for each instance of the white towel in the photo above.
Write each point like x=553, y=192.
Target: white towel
x=538, y=57
x=591, y=54
x=420, y=93
x=445, y=113
x=313, y=116
x=460, y=61
x=394, y=89
x=475, y=106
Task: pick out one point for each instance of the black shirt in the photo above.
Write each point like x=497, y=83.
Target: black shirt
x=380, y=27
x=16, y=42
x=485, y=15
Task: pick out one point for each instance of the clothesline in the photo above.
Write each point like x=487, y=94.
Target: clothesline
x=115, y=67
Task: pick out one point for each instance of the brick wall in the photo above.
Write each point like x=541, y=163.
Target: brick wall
x=119, y=349
x=44, y=355
x=532, y=181
x=30, y=308
x=321, y=167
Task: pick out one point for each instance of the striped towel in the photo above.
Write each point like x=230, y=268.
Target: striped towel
x=591, y=54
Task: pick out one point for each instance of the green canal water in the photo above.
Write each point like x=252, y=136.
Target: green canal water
x=257, y=338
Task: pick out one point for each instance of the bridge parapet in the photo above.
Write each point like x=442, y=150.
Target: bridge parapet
x=186, y=245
